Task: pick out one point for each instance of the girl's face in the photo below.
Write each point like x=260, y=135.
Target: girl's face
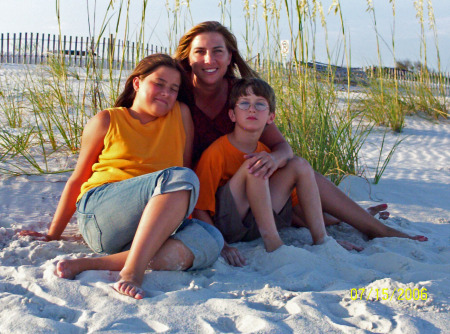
x=156, y=93
x=209, y=57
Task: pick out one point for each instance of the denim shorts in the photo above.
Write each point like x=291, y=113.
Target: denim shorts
x=108, y=215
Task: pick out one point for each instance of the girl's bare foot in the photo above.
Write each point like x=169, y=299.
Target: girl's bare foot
x=69, y=268
x=128, y=285
x=380, y=209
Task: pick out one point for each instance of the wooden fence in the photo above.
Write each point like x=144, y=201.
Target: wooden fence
x=439, y=82
x=29, y=48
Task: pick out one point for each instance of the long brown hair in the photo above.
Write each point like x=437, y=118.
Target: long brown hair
x=147, y=66
x=237, y=62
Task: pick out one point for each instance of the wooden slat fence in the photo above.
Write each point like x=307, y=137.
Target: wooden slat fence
x=29, y=48
x=438, y=82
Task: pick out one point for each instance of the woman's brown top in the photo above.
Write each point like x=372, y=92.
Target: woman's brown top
x=207, y=130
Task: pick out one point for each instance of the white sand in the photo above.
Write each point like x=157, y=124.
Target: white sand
x=299, y=288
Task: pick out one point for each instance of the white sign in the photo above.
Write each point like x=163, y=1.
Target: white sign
x=284, y=47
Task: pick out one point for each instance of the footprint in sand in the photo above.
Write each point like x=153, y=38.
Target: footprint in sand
x=243, y=324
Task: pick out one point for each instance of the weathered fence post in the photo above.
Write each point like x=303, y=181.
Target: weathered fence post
x=1, y=52
x=31, y=49
x=20, y=47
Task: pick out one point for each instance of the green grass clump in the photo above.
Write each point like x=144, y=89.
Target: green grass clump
x=383, y=105
x=317, y=129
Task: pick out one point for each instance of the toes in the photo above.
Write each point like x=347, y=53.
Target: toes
x=129, y=289
x=63, y=270
x=420, y=238
x=377, y=208
x=384, y=215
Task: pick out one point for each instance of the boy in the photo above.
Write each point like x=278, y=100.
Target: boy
x=243, y=206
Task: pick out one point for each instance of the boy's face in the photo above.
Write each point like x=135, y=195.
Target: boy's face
x=251, y=112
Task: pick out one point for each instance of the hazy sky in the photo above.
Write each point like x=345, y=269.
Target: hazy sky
x=40, y=16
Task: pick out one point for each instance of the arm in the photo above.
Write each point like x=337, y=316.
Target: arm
x=230, y=254
x=189, y=131
x=92, y=144
x=264, y=164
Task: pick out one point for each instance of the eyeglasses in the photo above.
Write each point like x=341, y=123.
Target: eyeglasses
x=258, y=106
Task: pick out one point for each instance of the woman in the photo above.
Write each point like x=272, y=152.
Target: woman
x=208, y=53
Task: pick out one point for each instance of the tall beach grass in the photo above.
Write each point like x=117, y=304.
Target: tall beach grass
x=44, y=115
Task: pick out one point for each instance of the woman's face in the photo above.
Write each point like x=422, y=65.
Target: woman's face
x=209, y=58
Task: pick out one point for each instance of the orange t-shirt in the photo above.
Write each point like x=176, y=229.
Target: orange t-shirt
x=133, y=149
x=217, y=165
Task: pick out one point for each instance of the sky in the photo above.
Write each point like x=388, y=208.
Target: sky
x=78, y=17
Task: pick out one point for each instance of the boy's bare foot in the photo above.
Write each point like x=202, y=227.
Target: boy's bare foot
x=349, y=246
x=272, y=244
x=69, y=268
x=380, y=209
x=128, y=285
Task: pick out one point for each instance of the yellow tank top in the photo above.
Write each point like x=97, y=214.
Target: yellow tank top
x=133, y=149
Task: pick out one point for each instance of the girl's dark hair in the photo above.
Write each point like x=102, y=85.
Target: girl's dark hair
x=237, y=62
x=258, y=87
x=147, y=66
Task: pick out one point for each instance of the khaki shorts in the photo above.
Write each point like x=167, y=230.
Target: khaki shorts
x=233, y=228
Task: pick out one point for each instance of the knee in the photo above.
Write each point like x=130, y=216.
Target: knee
x=300, y=165
x=187, y=175
x=203, y=240
x=180, y=178
x=244, y=170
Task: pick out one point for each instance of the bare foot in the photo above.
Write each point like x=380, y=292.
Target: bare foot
x=129, y=289
x=419, y=238
x=129, y=286
x=380, y=209
x=272, y=244
x=349, y=246
x=69, y=268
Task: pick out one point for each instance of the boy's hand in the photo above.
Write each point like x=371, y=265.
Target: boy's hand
x=232, y=256
x=261, y=164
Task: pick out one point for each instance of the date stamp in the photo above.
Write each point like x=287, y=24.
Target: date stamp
x=388, y=294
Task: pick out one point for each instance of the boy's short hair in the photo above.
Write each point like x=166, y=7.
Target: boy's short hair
x=258, y=86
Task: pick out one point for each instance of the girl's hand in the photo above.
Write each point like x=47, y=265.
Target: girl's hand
x=35, y=235
x=232, y=256
x=261, y=164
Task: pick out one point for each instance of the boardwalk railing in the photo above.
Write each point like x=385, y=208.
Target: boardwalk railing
x=29, y=48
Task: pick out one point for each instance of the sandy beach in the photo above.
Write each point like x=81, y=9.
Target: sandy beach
x=299, y=288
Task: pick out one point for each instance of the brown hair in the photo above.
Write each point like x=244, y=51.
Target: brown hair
x=237, y=62
x=258, y=87
x=147, y=66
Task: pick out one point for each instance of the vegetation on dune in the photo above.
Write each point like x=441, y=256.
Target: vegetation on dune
x=44, y=114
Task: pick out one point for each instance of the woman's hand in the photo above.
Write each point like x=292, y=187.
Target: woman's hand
x=35, y=235
x=232, y=256
x=261, y=164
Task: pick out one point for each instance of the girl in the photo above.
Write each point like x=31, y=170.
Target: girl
x=131, y=187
